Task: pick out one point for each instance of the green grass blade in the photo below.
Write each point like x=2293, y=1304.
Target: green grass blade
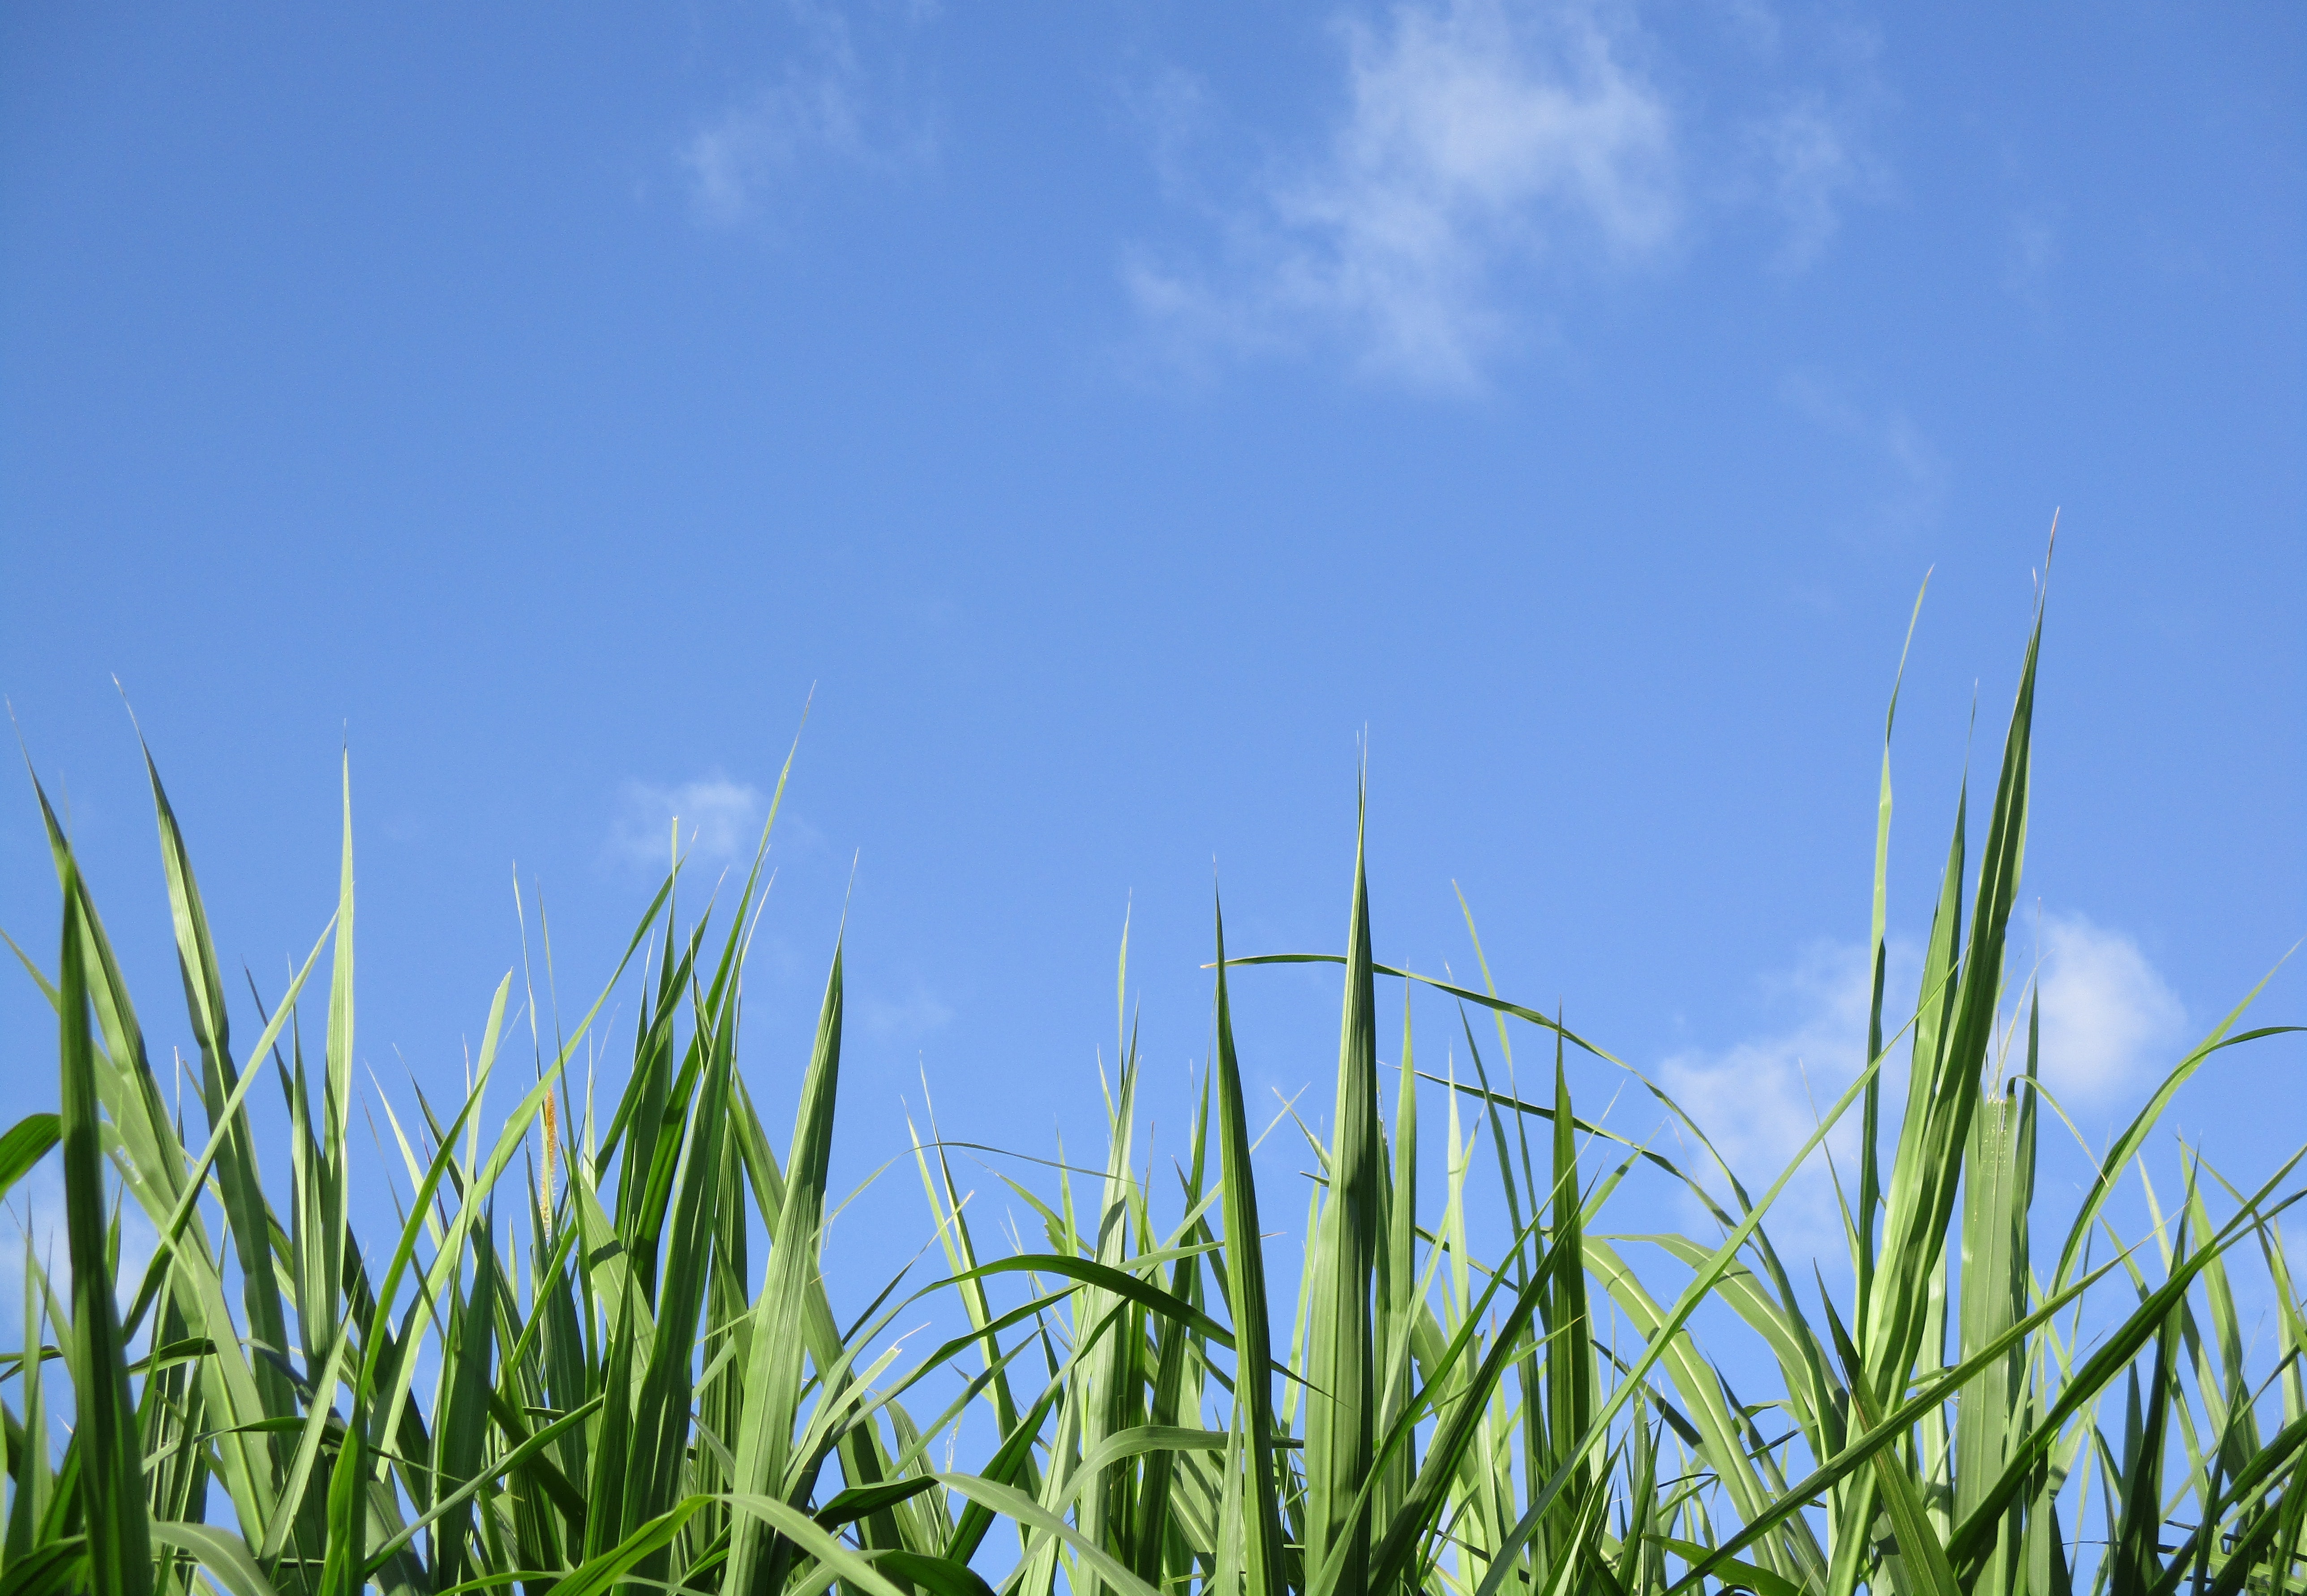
x=111, y=1480
x=27, y=1142
x=1246, y=1293
x=221, y=1552
x=242, y=1190
x=1341, y=1356
x=773, y=1384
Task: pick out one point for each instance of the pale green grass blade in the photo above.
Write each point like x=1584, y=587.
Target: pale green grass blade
x=1341, y=1356
x=1870, y=1180
x=228, y=1119
x=27, y=1142
x=323, y=1237
x=221, y=1552
x=246, y=1212
x=773, y=1384
x=1025, y=1510
x=314, y=1427
x=1994, y=1294
x=2128, y=1145
x=29, y=1459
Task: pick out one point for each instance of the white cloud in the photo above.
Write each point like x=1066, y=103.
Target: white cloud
x=2105, y=1011
x=1478, y=137
x=720, y=821
x=828, y=106
x=1489, y=155
x=2105, y=1014
x=1759, y=1100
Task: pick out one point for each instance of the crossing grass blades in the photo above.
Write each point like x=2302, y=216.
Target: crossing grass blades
x=597, y=1355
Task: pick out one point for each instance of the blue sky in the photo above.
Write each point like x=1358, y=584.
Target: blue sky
x=1116, y=412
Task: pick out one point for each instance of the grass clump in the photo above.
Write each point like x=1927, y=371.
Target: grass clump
x=622, y=1372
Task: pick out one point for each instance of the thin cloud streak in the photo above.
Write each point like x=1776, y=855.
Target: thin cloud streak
x=1815, y=167
x=829, y=107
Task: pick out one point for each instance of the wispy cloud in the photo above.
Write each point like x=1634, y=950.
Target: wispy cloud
x=1477, y=139
x=826, y=105
x=720, y=819
x=1912, y=471
x=2030, y=255
x=1815, y=164
x=914, y=1015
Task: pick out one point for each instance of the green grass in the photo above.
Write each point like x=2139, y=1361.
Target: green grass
x=598, y=1354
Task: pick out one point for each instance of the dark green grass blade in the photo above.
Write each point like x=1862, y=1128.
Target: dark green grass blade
x=1008, y=1467
x=111, y=1478
x=1245, y=1267
x=661, y=1421
x=1570, y=1373
x=936, y=1575
x=847, y=1506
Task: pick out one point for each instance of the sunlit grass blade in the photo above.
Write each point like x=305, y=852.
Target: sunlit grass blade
x=29, y=1140
x=1341, y=1356
x=773, y=1384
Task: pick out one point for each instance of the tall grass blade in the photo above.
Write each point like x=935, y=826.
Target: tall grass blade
x=111, y=1476
x=1341, y=1356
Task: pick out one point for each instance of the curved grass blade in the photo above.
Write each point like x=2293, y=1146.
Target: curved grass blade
x=27, y=1143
